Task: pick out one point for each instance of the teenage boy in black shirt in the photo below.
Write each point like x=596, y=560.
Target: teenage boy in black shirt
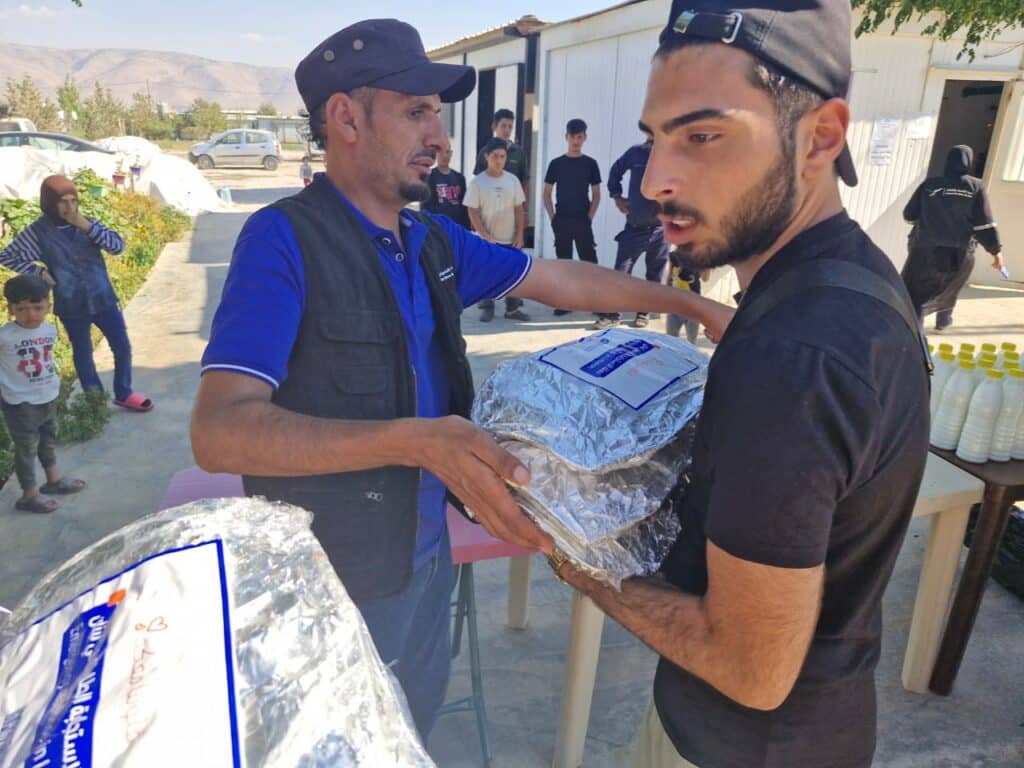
x=813, y=435
x=575, y=180
x=447, y=189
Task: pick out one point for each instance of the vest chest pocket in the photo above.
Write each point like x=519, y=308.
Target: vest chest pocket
x=363, y=337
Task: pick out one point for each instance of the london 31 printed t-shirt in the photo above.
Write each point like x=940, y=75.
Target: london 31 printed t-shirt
x=28, y=372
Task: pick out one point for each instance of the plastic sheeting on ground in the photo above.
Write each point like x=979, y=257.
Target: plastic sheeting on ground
x=172, y=180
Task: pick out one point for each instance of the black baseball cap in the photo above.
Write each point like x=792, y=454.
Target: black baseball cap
x=807, y=39
x=378, y=53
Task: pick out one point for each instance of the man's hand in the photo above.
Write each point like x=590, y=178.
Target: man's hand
x=717, y=320
x=473, y=467
x=622, y=204
x=48, y=278
x=997, y=262
x=520, y=241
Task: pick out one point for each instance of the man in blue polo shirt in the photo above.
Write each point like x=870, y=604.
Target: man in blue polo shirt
x=336, y=376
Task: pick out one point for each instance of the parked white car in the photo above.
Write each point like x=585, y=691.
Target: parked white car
x=241, y=146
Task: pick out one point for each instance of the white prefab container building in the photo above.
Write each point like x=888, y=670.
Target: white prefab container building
x=504, y=58
x=595, y=67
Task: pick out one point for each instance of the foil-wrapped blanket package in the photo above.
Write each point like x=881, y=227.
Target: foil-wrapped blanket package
x=606, y=426
x=212, y=634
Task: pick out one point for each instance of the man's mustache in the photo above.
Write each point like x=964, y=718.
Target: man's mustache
x=674, y=210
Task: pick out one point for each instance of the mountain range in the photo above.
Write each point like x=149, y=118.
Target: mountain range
x=172, y=78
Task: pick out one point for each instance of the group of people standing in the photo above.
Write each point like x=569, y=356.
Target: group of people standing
x=494, y=205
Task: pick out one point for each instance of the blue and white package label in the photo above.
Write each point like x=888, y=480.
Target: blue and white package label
x=633, y=368
x=138, y=670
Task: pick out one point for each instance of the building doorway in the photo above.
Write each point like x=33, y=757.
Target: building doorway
x=967, y=116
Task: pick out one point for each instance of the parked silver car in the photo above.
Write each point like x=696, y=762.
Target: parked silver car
x=241, y=146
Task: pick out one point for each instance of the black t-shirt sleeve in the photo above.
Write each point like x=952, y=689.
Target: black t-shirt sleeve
x=791, y=428
x=551, y=176
x=595, y=172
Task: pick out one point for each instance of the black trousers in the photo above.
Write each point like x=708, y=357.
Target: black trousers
x=575, y=230
x=648, y=242
x=934, y=277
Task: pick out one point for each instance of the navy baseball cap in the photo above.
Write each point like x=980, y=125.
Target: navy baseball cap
x=807, y=39
x=378, y=53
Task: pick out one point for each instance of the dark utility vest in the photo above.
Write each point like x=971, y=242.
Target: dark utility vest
x=350, y=362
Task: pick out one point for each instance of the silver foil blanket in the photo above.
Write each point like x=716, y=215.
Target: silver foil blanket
x=269, y=662
x=576, y=416
x=604, y=455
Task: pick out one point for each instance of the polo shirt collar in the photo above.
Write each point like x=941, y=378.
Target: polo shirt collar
x=376, y=233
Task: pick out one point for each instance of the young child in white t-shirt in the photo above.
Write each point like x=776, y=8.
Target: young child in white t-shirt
x=29, y=386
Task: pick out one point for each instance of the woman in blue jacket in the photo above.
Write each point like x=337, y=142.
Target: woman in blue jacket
x=70, y=247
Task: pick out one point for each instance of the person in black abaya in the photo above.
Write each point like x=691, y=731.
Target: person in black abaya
x=950, y=214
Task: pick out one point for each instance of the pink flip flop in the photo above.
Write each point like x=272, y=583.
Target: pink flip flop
x=136, y=402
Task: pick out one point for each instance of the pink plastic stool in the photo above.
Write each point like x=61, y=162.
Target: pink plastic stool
x=193, y=484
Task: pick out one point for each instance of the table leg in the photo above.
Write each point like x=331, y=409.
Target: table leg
x=586, y=624
x=934, y=588
x=995, y=513
x=519, y=591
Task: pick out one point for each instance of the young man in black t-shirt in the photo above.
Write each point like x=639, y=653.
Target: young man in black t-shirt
x=575, y=180
x=447, y=190
x=813, y=434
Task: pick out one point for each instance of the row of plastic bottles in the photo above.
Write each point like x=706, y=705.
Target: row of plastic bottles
x=977, y=402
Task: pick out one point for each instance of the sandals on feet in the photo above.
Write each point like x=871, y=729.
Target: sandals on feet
x=35, y=504
x=63, y=487
x=135, y=402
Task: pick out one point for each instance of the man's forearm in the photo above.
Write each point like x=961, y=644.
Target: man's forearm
x=256, y=437
x=582, y=286
x=477, y=223
x=595, y=202
x=520, y=223
x=677, y=626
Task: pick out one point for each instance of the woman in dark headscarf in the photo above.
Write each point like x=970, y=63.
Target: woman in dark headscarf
x=70, y=246
x=950, y=213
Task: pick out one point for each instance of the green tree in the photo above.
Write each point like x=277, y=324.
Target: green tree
x=24, y=99
x=979, y=19
x=266, y=108
x=70, y=100
x=102, y=114
x=144, y=119
x=207, y=117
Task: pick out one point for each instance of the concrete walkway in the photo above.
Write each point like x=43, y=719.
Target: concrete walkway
x=128, y=467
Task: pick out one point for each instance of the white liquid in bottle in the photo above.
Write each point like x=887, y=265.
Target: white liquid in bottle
x=1009, y=417
x=952, y=411
x=980, y=425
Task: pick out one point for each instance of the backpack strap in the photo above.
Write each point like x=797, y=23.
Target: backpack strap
x=833, y=273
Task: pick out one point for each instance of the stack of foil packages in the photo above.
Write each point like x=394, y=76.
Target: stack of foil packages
x=212, y=634
x=606, y=426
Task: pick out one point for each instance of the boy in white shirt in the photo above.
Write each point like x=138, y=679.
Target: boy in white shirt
x=29, y=386
x=494, y=200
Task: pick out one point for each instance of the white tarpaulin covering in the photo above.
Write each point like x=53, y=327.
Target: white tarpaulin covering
x=172, y=180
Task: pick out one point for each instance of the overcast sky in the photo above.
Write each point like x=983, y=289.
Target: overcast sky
x=254, y=31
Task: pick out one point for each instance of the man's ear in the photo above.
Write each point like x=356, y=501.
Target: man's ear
x=823, y=130
x=340, y=117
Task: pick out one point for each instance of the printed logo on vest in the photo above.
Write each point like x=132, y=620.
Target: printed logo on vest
x=446, y=274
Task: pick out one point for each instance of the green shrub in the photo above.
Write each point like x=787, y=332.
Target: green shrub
x=146, y=226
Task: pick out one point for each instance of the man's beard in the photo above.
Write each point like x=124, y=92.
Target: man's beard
x=752, y=226
x=414, y=192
